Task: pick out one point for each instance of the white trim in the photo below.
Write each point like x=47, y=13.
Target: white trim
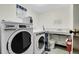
x=37, y=49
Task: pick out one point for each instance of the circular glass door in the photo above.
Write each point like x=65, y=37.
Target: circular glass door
x=41, y=42
x=21, y=42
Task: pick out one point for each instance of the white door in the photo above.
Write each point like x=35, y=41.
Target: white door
x=19, y=42
x=75, y=28
x=41, y=42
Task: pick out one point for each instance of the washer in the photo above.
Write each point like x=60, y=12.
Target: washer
x=16, y=38
x=39, y=43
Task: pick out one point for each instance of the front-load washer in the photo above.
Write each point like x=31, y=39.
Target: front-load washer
x=39, y=43
x=16, y=38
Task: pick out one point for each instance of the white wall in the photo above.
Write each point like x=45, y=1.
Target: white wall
x=57, y=18
x=8, y=12
x=34, y=15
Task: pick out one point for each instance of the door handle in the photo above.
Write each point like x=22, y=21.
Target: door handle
x=75, y=32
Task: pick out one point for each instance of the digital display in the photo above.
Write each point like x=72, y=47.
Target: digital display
x=22, y=26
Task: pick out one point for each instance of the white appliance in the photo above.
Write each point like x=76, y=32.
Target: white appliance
x=28, y=20
x=39, y=43
x=16, y=38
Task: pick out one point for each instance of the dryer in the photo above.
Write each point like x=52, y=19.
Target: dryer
x=16, y=38
x=39, y=43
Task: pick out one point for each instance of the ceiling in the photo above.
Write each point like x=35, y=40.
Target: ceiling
x=42, y=8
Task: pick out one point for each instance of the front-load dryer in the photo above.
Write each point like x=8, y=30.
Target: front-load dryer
x=16, y=38
x=39, y=43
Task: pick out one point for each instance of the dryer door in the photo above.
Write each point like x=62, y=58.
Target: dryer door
x=19, y=42
x=41, y=42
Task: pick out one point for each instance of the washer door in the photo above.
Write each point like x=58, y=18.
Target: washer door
x=19, y=42
x=41, y=42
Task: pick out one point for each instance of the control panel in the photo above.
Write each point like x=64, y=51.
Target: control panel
x=25, y=26
x=10, y=26
x=16, y=26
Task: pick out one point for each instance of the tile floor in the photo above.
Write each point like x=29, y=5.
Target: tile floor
x=75, y=51
x=58, y=50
